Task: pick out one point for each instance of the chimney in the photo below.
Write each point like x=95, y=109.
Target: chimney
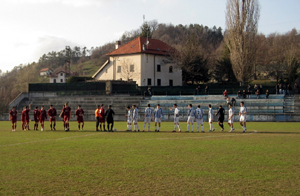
x=118, y=44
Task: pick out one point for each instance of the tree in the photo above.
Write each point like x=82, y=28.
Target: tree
x=242, y=23
x=128, y=70
x=146, y=30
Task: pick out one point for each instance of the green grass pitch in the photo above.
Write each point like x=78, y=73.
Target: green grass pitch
x=127, y=163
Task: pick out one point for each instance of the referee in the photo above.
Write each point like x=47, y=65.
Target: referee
x=221, y=114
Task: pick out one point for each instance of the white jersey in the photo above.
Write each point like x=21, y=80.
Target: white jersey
x=135, y=114
x=158, y=113
x=191, y=112
x=129, y=115
x=243, y=111
x=210, y=113
x=176, y=112
x=199, y=113
x=148, y=112
x=230, y=112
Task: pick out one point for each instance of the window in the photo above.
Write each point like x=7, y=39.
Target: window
x=149, y=82
x=170, y=82
x=131, y=68
x=171, y=69
x=119, y=69
x=158, y=68
x=158, y=82
x=61, y=74
x=54, y=80
x=61, y=80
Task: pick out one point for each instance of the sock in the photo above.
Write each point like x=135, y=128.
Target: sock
x=82, y=126
x=188, y=127
x=54, y=125
x=221, y=125
x=175, y=127
x=155, y=127
x=202, y=127
x=210, y=125
x=138, y=127
x=179, y=127
x=111, y=126
x=127, y=127
x=158, y=128
x=135, y=127
x=144, y=126
x=197, y=127
x=148, y=127
x=193, y=127
x=107, y=126
x=78, y=126
x=130, y=127
x=51, y=126
x=12, y=126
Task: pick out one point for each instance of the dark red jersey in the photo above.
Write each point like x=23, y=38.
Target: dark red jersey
x=13, y=115
x=79, y=112
x=43, y=115
x=67, y=111
x=27, y=113
x=101, y=113
x=36, y=114
x=23, y=116
x=52, y=112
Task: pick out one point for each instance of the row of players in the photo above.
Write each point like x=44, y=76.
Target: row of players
x=40, y=115
x=194, y=115
x=132, y=117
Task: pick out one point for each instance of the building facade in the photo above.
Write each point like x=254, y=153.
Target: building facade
x=145, y=61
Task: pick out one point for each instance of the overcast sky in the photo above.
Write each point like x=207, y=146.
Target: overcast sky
x=30, y=28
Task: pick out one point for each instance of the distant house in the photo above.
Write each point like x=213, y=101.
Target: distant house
x=60, y=76
x=146, y=61
x=45, y=72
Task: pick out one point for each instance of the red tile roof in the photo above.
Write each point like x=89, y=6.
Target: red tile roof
x=136, y=46
x=44, y=69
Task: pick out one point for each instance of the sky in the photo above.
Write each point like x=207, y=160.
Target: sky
x=31, y=28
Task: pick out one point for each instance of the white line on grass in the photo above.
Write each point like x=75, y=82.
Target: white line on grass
x=62, y=138
x=203, y=137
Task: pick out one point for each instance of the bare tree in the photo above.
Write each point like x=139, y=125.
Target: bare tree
x=242, y=23
x=129, y=71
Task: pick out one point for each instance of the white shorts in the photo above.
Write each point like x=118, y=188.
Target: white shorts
x=210, y=120
x=158, y=120
x=135, y=120
x=199, y=121
x=231, y=121
x=243, y=118
x=176, y=120
x=147, y=120
x=191, y=119
x=129, y=121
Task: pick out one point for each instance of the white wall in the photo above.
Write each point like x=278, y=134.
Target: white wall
x=61, y=78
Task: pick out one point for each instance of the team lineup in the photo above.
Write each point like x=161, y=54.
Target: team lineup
x=102, y=116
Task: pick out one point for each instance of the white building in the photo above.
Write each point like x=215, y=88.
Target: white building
x=146, y=61
x=60, y=76
x=45, y=72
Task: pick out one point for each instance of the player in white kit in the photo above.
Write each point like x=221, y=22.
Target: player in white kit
x=199, y=114
x=148, y=117
x=129, y=119
x=230, y=117
x=158, y=114
x=210, y=118
x=243, y=116
x=176, y=118
x=135, y=117
x=191, y=118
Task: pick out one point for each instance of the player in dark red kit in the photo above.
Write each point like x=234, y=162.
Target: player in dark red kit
x=23, y=119
x=13, y=117
x=36, y=116
x=79, y=114
x=28, y=108
x=102, y=117
x=66, y=112
x=52, y=117
x=43, y=117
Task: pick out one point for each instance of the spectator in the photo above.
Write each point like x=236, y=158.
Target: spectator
x=239, y=94
x=280, y=88
x=284, y=89
x=228, y=100
x=255, y=87
x=206, y=90
x=244, y=94
x=267, y=94
x=148, y=92
x=257, y=94
x=225, y=93
x=249, y=94
x=260, y=89
x=296, y=88
x=198, y=90
x=233, y=101
x=277, y=89
x=249, y=88
x=289, y=90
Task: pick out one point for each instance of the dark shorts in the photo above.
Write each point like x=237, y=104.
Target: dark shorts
x=53, y=119
x=42, y=120
x=13, y=120
x=80, y=119
x=101, y=119
x=221, y=119
x=36, y=120
x=110, y=120
x=66, y=118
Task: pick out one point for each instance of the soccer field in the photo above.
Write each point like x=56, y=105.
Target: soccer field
x=265, y=162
